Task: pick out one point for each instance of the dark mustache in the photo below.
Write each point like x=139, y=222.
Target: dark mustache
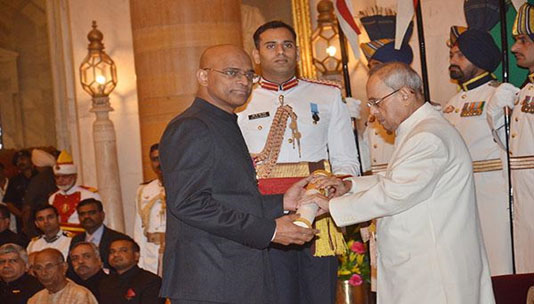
x=454, y=66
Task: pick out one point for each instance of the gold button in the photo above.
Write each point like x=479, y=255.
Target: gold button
x=375, y=146
x=513, y=135
x=516, y=119
x=260, y=127
x=463, y=96
x=376, y=133
x=290, y=141
x=374, y=160
x=457, y=110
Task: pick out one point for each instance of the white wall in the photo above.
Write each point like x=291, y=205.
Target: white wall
x=113, y=20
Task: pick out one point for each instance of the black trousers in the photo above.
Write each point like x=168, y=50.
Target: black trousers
x=301, y=278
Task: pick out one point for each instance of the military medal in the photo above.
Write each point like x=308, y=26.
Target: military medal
x=315, y=113
x=527, y=105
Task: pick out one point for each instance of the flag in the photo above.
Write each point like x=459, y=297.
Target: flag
x=405, y=12
x=345, y=17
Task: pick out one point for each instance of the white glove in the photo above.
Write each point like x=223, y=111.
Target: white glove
x=354, y=107
x=504, y=96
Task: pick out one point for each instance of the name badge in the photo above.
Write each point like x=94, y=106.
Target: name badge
x=258, y=115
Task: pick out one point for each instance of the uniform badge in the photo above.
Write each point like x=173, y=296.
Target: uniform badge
x=258, y=115
x=472, y=109
x=315, y=112
x=527, y=105
x=448, y=109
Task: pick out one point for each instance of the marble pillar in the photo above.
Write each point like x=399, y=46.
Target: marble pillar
x=169, y=37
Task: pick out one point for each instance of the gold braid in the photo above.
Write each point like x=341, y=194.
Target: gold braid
x=266, y=159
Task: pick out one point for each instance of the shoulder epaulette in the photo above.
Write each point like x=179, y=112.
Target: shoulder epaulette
x=68, y=234
x=92, y=189
x=147, y=182
x=323, y=82
x=494, y=83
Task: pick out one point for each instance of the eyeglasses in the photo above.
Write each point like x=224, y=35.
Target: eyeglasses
x=372, y=102
x=235, y=73
x=47, y=267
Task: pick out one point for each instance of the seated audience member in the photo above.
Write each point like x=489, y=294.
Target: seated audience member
x=87, y=265
x=130, y=284
x=91, y=215
x=31, y=261
x=46, y=219
x=16, y=286
x=51, y=269
x=6, y=235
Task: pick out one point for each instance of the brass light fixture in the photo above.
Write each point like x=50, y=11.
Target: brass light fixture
x=326, y=51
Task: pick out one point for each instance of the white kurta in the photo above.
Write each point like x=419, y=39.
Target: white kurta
x=330, y=138
x=151, y=192
x=492, y=186
x=430, y=247
x=521, y=145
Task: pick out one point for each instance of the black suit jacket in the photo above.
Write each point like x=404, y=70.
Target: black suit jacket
x=218, y=225
x=135, y=286
x=108, y=236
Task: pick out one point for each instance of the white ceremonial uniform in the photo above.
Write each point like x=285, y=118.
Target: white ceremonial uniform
x=330, y=137
x=522, y=171
x=467, y=111
x=61, y=242
x=150, y=203
x=66, y=202
x=380, y=144
x=430, y=247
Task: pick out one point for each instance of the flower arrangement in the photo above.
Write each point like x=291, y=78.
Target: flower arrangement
x=354, y=264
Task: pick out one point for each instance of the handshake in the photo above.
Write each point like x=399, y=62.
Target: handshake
x=309, y=197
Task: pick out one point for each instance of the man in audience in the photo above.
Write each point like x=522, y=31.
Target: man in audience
x=130, y=283
x=51, y=269
x=46, y=219
x=91, y=214
x=17, y=184
x=69, y=194
x=6, y=235
x=87, y=265
x=16, y=286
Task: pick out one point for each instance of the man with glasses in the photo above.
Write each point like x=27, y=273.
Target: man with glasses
x=292, y=127
x=219, y=226
x=429, y=240
x=16, y=285
x=150, y=218
x=51, y=268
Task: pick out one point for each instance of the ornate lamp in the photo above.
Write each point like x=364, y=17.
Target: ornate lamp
x=326, y=51
x=98, y=76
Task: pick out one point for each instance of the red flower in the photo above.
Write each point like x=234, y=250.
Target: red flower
x=355, y=280
x=358, y=247
x=130, y=293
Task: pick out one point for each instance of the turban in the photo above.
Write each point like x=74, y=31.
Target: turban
x=480, y=49
x=41, y=158
x=64, y=164
x=524, y=21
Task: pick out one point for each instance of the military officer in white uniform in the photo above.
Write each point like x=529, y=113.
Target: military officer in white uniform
x=295, y=124
x=521, y=135
x=150, y=218
x=69, y=194
x=473, y=56
x=47, y=220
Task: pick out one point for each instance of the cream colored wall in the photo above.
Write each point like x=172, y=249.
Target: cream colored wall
x=73, y=20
